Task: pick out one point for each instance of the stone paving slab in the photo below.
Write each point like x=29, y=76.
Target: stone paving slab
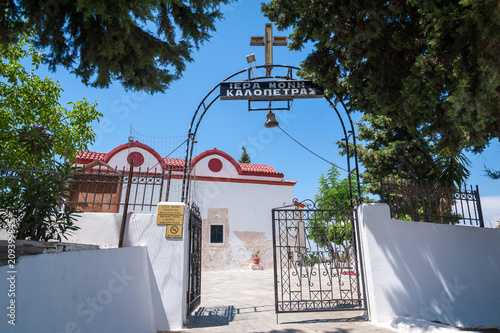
x=243, y=301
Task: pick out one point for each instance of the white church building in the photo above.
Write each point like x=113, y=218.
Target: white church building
x=235, y=199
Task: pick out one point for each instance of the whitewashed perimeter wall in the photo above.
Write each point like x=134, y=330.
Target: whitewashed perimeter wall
x=168, y=257
x=444, y=273
x=110, y=290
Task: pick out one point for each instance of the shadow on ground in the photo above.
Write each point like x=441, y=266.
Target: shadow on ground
x=212, y=316
x=217, y=316
x=340, y=330
x=222, y=315
x=329, y=320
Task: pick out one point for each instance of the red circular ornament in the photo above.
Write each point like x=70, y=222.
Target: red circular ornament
x=215, y=165
x=137, y=157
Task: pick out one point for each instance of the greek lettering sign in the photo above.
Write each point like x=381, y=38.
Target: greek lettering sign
x=269, y=90
x=170, y=214
x=173, y=217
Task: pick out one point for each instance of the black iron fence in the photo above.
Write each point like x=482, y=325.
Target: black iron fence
x=101, y=188
x=105, y=190
x=427, y=202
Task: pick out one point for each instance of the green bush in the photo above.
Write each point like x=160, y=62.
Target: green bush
x=33, y=203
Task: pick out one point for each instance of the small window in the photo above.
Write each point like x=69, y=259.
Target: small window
x=216, y=233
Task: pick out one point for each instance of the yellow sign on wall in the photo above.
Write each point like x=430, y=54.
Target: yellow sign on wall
x=174, y=231
x=170, y=214
x=173, y=217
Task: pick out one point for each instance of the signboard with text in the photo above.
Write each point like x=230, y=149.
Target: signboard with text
x=269, y=90
x=170, y=214
x=173, y=217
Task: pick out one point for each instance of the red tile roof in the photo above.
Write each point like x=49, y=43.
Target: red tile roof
x=85, y=157
x=177, y=164
x=257, y=168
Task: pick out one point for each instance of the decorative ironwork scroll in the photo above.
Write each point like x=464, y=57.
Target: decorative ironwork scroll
x=316, y=261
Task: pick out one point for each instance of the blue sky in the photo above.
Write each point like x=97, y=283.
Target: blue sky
x=228, y=125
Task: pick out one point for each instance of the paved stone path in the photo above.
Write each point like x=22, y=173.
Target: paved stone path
x=243, y=301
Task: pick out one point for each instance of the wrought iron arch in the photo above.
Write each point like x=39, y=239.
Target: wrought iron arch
x=207, y=102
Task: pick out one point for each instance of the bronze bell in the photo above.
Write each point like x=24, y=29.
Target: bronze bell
x=271, y=121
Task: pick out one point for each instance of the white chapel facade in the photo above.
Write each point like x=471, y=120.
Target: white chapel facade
x=235, y=199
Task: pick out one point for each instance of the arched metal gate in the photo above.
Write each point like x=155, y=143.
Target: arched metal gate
x=314, y=270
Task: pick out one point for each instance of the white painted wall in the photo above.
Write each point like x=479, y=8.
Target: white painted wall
x=101, y=229
x=168, y=257
x=228, y=169
x=249, y=210
x=434, y=272
x=120, y=160
x=249, y=205
x=169, y=262
x=83, y=291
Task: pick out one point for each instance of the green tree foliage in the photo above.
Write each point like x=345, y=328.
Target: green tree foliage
x=428, y=66
x=34, y=127
x=493, y=174
x=142, y=44
x=451, y=168
x=391, y=151
x=331, y=225
x=244, y=156
x=33, y=203
x=39, y=141
x=406, y=161
x=334, y=192
x=397, y=153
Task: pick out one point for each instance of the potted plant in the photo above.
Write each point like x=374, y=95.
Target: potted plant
x=256, y=258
